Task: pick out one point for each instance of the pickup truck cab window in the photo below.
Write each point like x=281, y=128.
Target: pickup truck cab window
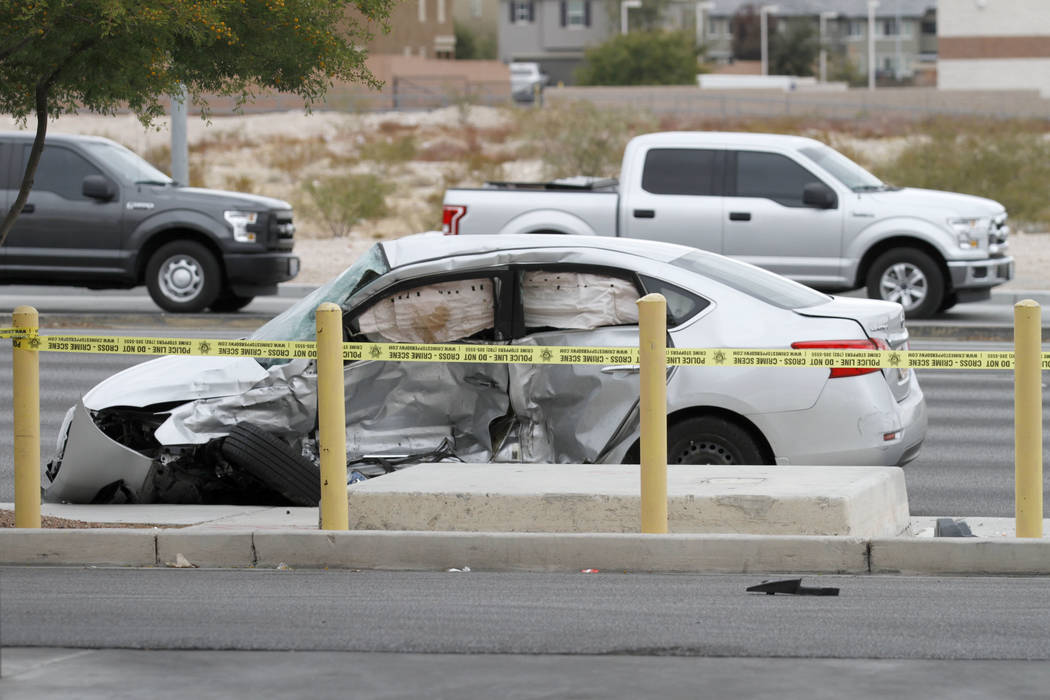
x=62, y=172
x=688, y=171
x=127, y=164
x=842, y=168
x=772, y=176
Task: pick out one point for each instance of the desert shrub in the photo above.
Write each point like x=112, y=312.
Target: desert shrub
x=1010, y=166
x=342, y=201
x=290, y=154
x=390, y=151
x=580, y=138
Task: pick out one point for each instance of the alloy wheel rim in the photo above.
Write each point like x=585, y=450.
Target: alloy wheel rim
x=905, y=284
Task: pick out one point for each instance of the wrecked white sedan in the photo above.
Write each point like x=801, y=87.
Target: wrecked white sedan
x=237, y=430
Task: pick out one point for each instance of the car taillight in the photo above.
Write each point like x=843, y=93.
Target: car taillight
x=450, y=217
x=869, y=344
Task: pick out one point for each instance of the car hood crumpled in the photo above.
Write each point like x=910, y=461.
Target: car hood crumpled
x=173, y=378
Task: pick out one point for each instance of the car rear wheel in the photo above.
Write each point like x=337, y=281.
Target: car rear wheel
x=909, y=277
x=183, y=277
x=228, y=301
x=273, y=462
x=711, y=440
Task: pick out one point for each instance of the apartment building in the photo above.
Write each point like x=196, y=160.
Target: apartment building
x=994, y=45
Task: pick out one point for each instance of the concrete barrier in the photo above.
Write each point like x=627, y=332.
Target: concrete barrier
x=960, y=555
x=574, y=498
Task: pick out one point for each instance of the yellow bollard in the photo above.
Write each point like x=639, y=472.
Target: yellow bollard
x=26, y=370
x=1028, y=420
x=331, y=417
x=652, y=351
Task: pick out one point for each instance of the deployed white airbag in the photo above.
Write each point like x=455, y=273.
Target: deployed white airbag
x=575, y=300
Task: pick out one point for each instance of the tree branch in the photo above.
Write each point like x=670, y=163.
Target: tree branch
x=10, y=50
x=43, y=89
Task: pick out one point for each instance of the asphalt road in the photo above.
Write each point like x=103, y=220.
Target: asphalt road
x=482, y=635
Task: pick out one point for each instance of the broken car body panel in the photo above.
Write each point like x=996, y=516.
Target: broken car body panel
x=170, y=415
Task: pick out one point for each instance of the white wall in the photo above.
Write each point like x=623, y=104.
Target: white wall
x=993, y=17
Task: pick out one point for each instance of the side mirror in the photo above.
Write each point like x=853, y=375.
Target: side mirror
x=98, y=187
x=819, y=196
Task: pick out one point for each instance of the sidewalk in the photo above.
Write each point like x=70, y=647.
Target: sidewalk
x=285, y=537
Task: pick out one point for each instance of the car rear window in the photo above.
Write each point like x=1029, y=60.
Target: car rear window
x=753, y=281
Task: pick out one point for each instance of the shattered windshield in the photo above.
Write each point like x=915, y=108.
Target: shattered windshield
x=298, y=322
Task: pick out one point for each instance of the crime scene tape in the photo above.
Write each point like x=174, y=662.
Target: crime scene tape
x=527, y=354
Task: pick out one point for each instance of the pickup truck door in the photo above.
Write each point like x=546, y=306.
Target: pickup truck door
x=675, y=195
x=766, y=223
x=61, y=234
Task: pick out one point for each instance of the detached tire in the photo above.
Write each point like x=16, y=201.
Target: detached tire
x=711, y=440
x=228, y=301
x=183, y=277
x=909, y=277
x=273, y=462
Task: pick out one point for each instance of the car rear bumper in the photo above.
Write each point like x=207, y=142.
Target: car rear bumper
x=835, y=432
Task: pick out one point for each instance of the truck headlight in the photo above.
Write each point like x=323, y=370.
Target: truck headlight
x=970, y=231
x=240, y=221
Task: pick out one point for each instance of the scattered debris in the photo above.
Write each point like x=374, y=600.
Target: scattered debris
x=946, y=527
x=464, y=570
x=181, y=562
x=588, y=571
x=282, y=567
x=793, y=586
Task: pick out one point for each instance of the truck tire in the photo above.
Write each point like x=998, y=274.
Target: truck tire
x=711, y=440
x=183, y=277
x=273, y=462
x=909, y=277
x=228, y=301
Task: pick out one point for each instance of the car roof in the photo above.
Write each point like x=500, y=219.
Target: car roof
x=433, y=245
x=726, y=138
x=53, y=137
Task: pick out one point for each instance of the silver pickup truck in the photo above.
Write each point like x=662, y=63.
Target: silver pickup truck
x=786, y=203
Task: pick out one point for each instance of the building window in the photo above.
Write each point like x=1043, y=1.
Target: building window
x=887, y=27
x=422, y=10
x=441, y=11
x=856, y=28
x=521, y=11
x=575, y=13
x=718, y=27
x=475, y=8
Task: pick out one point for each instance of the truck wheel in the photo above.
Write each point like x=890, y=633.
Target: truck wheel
x=711, y=440
x=909, y=277
x=228, y=301
x=183, y=276
x=273, y=462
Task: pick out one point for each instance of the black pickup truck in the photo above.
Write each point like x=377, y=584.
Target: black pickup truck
x=101, y=217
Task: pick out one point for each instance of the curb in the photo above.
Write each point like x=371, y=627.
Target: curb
x=526, y=552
